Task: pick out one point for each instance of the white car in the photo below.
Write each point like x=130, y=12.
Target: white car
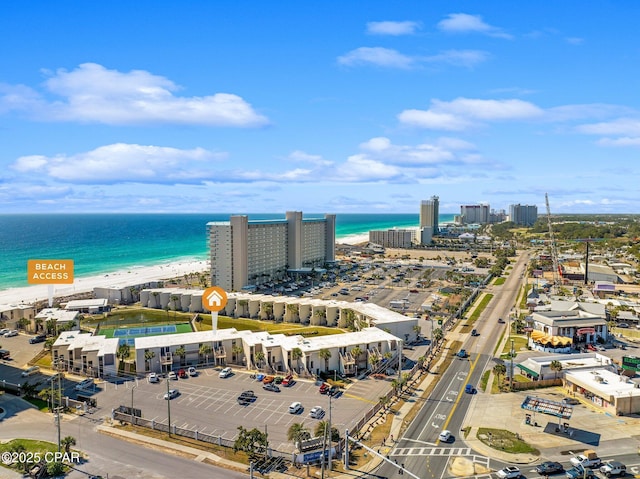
x=84, y=384
x=316, y=412
x=295, y=408
x=4, y=331
x=193, y=372
x=445, y=436
x=509, y=472
x=172, y=375
x=173, y=393
x=11, y=333
x=225, y=373
x=153, y=378
x=30, y=371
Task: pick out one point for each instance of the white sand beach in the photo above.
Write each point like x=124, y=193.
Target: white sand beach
x=132, y=276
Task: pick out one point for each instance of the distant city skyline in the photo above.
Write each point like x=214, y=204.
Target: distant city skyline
x=223, y=107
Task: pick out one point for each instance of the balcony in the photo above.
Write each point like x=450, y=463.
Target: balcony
x=166, y=359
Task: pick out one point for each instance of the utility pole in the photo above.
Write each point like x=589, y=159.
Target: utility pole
x=168, y=406
x=132, y=389
x=511, y=373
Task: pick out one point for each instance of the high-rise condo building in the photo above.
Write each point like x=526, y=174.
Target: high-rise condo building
x=523, y=214
x=429, y=211
x=475, y=214
x=247, y=252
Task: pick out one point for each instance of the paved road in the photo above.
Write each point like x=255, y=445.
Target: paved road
x=107, y=455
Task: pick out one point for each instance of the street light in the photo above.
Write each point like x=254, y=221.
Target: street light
x=132, y=389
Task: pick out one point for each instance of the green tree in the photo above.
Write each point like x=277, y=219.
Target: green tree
x=438, y=334
x=253, y=441
x=123, y=351
x=67, y=442
x=499, y=370
x=205, y=350
x=325, y=354
x=30, y=390
x=296, y=355
x=181, y=352
x=148, y=356
x=556, y=367
x=323, y=427
x=297, y=433
x=260, y=357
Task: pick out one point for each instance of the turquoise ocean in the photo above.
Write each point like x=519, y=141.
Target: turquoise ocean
x=103, y=243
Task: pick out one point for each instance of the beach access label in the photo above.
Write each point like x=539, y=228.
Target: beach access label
x=50, y=271
x=214, y=299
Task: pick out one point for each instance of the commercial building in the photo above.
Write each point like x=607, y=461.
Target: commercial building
x=475, y=214
x=525, y=215
x=247, y=252
x=393, y=238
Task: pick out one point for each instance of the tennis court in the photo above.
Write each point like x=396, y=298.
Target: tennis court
x=128, y=335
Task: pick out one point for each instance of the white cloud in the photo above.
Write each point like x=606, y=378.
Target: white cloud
x=91, y=93
x=361, y=168
x=463, y=58
x=620, y=142
x=461, y=113
x=621, y=126
x=389, y=58
x=301, y=156
x=379, y=56
x=465, y=23
x=392, y=28
x=123, y=163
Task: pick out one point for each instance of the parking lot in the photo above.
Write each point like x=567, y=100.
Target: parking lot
x=208, y=404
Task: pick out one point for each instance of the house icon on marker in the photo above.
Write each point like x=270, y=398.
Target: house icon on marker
x=215, y=299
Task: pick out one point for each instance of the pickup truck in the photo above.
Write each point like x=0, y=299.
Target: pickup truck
x=613, y=468
x=587, y=459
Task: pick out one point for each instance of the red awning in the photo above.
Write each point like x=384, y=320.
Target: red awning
x=586, y=331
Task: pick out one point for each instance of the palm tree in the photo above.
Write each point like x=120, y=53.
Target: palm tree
x=267, y=309
x=148, y=356
x=174, y=299
x=205, y=350
x=384, y=402
x=499, y=370
x=321, y=314
x=67, y=442
x=438, y=335
x=242, y=304
x=296, y=355
x=325, y=354
x=237, y=351
x=297, y=433
x=417, y=329
x=322, y=428
x=293, y=310
x=181, y=352
x=556, y=367
x=259, y=357
x=374, y=360
x=123, y=351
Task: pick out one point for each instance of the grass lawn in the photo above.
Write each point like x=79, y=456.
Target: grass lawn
x=499, y=280
x=506, y=441
x=519, y=343
x=30, y=447
x=243, y=324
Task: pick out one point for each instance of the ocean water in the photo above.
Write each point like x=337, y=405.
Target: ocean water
x=102, y=243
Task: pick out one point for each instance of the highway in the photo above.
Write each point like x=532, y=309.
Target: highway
x=419, y=448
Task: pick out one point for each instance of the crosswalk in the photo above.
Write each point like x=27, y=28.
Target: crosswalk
x=432, y=451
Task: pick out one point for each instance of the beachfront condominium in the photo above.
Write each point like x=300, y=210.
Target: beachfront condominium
x=393, y=238
x=475, y=214
x=429, y=211
x=525, y=215
x=247, y=253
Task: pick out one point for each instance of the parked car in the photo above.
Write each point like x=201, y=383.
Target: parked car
x=246, y=397
x=226, y=372
x=316, y=412
x=619, y=325
x=11, y=333
x=84, y=384
x=172, y=393
x=4, y=354
x=295, y=408
x=591, y=347
x=570, y=401
x=613, y=468
x=182, y=374
x=153, y=378
x=268, y=379
x=334, y=391
x=193, y=372
x=549, y=467
x=40, y=338
x=445, y=436
x=30, y=371
x=271, y=387
x=172, y=375
x=288, y=381
x=509, y=472
x=4, y=331
x=324, y=388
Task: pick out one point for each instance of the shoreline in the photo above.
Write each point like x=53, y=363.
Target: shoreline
x=132, y=275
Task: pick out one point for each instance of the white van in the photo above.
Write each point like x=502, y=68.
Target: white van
x=295, y=407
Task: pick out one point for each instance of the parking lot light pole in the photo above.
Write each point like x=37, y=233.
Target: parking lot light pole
x=168, y=406
x=132, y=389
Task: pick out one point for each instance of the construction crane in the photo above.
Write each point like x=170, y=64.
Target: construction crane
x=554, y=250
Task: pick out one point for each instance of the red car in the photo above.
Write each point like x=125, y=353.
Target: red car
x=591, y=347
x=324, y=389
x=182, y=374
x=288, y=381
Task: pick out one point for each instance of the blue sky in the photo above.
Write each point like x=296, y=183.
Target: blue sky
x=342, y=107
